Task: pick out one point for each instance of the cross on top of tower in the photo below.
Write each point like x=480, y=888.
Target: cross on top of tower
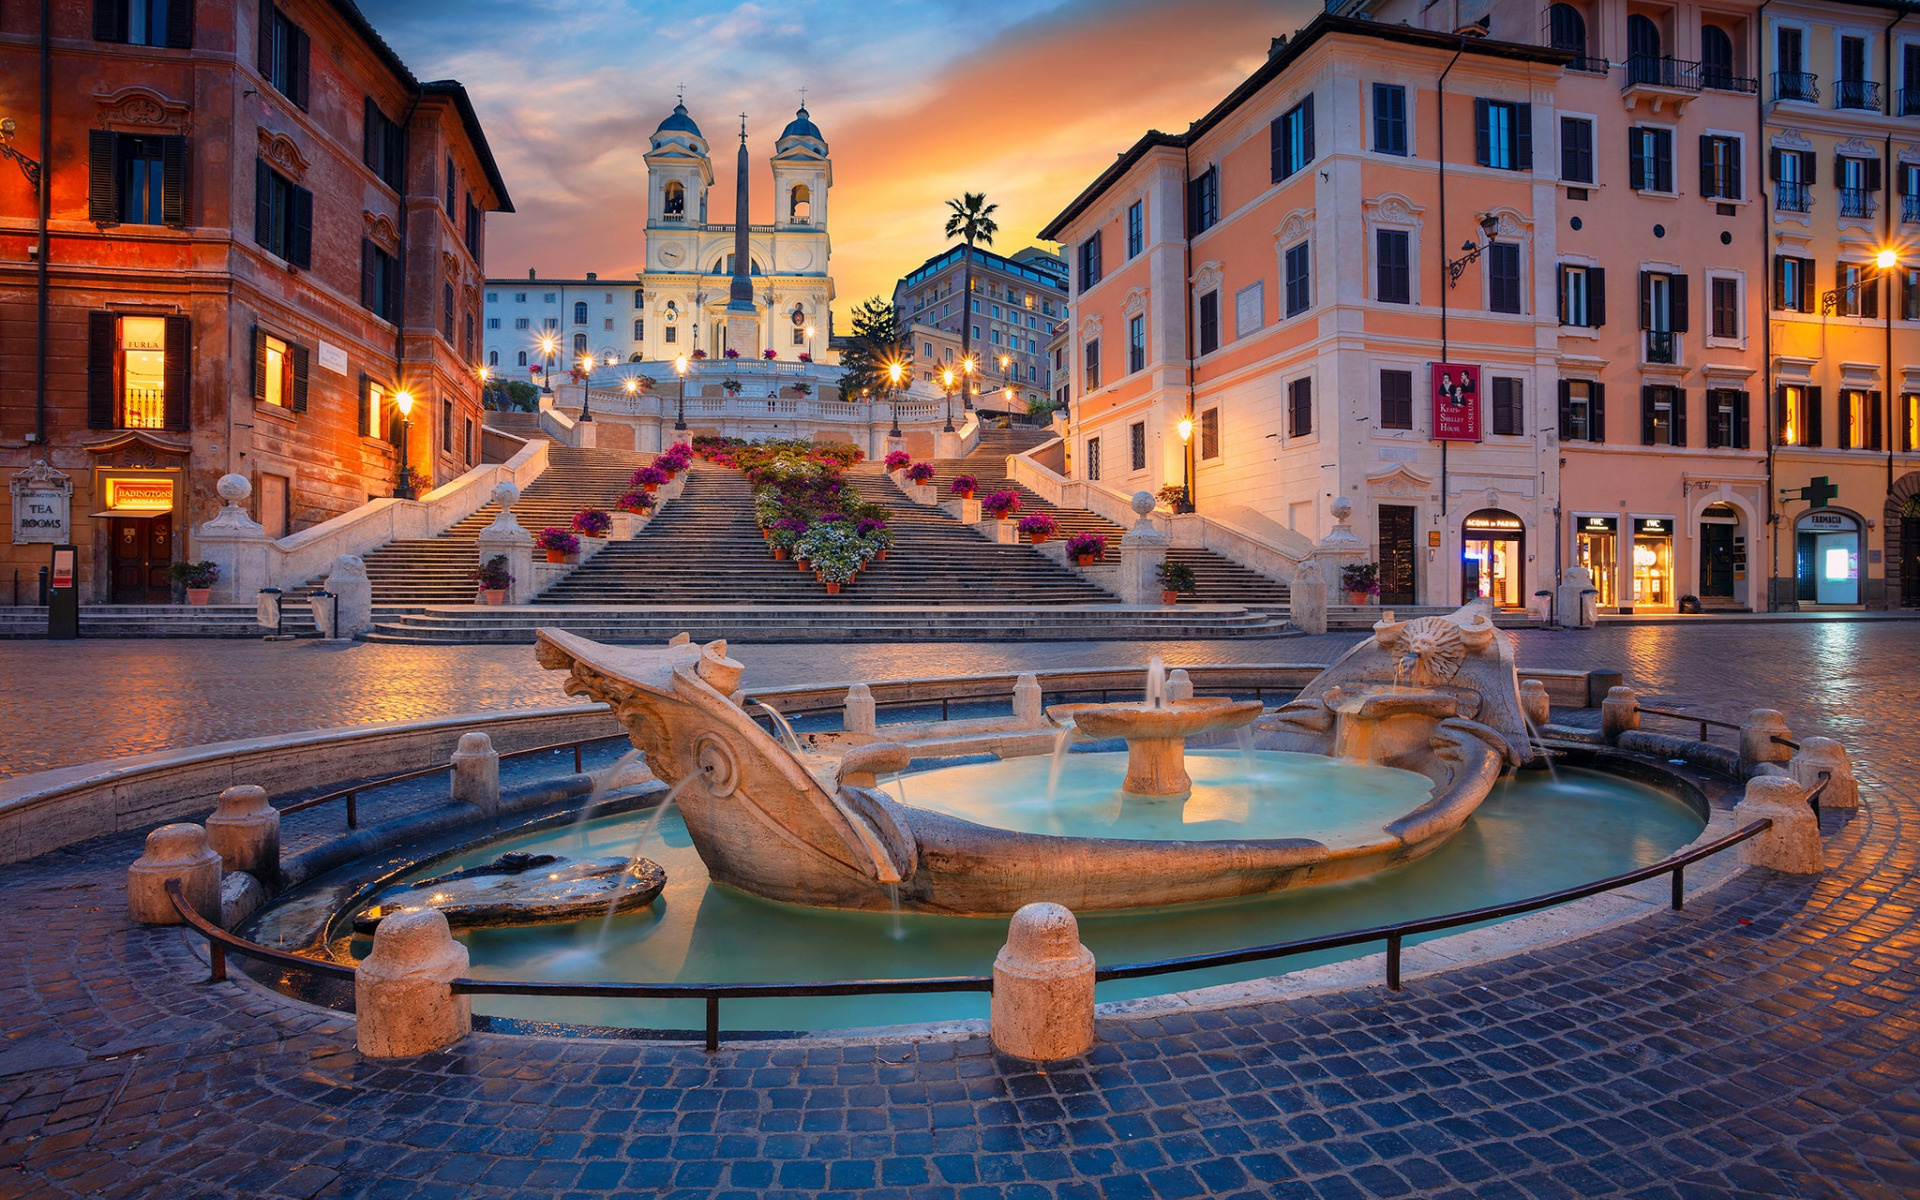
x=803, y=97
x=743, y=129
x=680, y=93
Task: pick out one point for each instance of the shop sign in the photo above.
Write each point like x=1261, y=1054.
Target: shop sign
x=1653, y=527
x=1495, y=524
x=1831, y=522
x=42, y=505
x=63, y=562
x=1599, y=524
x=1456, y=402
x=154, y=494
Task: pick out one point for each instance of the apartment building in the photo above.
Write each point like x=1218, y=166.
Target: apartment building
x=1015, y=304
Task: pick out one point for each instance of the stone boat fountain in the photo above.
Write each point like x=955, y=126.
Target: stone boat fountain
x=1437, y=697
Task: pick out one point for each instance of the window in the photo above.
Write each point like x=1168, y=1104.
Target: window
x=1300, y=407
x=1396, y=399
x=466, y=439
x=522, y=323
x=1724, y=295
x=1209, y=433
x=466, y=342
x=1299, y=284
x=144, y=22
x=550, y=325
x=283, y=54
x=579, y=344
x=1093, y=458
x=639, y=298
x=606, y=324
x=446, y=426
x=282, y=216
x=1137, y=343
x=1249, y=309
x=1726, y=419
x=470, y=230
x=1663, y=416
x=135, y=180
x=1798, y=413
x=1503, y=277
x=1389, y=119
x=1792, y=283
x=1650, y=159
x=1089, y=262
x=1852, y=89
x=1859, y=419
x=1136, y=228
x=579, y=312
x=382, y=148
x=1583, y=411
x=1645, y=63
x=1566, y=29
x=1791, y=80
x=976, y=304
x=1720, y=167
x=1093, y=365
x=374, y=399
x=279, y=372
x=1910, y=294
x=1393, y=278
x=1909, y=81
x=1583, y=296
x=670, y=335
x=1292, y=145
x=1209, y=322
x=493, y=358
x=800, y=204
x=639, y=328
x=1503, y=135
x=450, y=187
x=1137, y=444
x=523, y=358
x=380, y=283
x=1203, y=201
x=1576, y=150
x=1857, y=290
x=137, y=371
x=1716, y=57
x=673, y=201
x=1509, y=418
x=1663, y=314
x=1858, y=179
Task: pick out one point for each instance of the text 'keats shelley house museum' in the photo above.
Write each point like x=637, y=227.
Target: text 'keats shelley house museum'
x=1633, y=287
x=260, y=240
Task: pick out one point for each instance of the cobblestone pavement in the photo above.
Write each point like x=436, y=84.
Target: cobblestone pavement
x=1762, y=1042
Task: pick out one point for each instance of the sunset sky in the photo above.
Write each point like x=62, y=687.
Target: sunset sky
x=918, y=101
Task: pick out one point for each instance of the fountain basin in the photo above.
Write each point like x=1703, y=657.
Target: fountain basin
x=1156, y=735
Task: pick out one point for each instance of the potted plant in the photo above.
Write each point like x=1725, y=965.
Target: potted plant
x=592, y=522
x=732, y=353
x=898, y=460
x=1001, y=505
x=649, y=478
x=1038, y=526
x=1172, y=495
x=768, y=355
x=1084, y=548
x=1175, y=578
x=637, y=502
x=803, y=388
x=806, y=358
x=920, y=473
x=697, y=355
x=197, y=578
x=964, y=486
x=558, y=543
x=730, y=385
x=494, y=579
x=874, y=536
x=1360, y=581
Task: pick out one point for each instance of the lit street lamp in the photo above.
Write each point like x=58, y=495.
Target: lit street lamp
x=809, y=342
x=403, y=488
x=1884, y=261
x=1186, y=461
x=586, y=391
x=894, y=370
x=967, y=365
x=549, y=348
x=946, y=380
x=680, y=369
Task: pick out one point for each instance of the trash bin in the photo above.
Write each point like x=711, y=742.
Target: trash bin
x=1540, y=608
x=267, y=610
x=326, y=612
x=1589, y=608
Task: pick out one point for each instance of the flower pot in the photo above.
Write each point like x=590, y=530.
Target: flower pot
x=967, y=495
x=496, y=595
x=1356, y=597
x=199, y=596
x=833, y=589
x=779, y=554
x=556, y=556
x=652, y=488
x=800, y=563
x=1167, y=597
x=636, y=510
x=1085, y=560
x=882, y=556
x=1039, y=539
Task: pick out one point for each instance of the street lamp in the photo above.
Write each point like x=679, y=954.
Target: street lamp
x=967, y=366
x=894, y=370
x=1186, y=468
x=586, y=391
x=680, y=369
x=946, y=381
x=403, y=400
x=809, y=342
x=1884, y=261
x=1458, y=266
x=549, y=347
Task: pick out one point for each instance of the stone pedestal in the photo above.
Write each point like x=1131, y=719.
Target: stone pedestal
x=1005, y=532
x=245, y=830
x=174, y=852
x=402, y=1004
x=1820, y=755
x=586, y=434
x=1575, y=601
x=353, y=614
x=1535, y=702
x=476, y=773
x=237, y=544
x=507, y=538
x=1619, y=712
x=1028, y=708
x=1042, y=1007
x=860, y=717
x=743, y=332
x=1307, y=598
x=925, y=496
x=1341, y=546
x=1142, y=551
x=1756, y=739
x=1793, y=843
x=1179, y=684
x=967, y=512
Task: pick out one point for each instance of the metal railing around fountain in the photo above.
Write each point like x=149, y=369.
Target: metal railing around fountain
x=351, y=794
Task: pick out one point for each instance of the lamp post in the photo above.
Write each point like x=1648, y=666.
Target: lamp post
x=894, y=371
x=946, y=381
x=586, y=390
x=1458, y=266
x=1186, y=464
x=680, y=369
x=1885, y=261
x=403, y=488
x=967, y=366
x=809, y=343
x=549, y=346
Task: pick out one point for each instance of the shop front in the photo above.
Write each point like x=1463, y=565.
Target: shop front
x=1653, y=583
x=1826, y=560
x=1493, y=555
x=1596, y=546
x=141, y=527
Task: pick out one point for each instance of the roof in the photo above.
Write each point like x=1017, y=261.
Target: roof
x=679, y=122
x=1056, y=278
x=1277, y=62
x=803, y=126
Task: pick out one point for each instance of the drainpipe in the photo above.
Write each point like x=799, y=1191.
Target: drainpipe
x=1186, y=291
x=401, y=460
x=1440, y=112
x=1766, y=324
x=1889, y=392
x=43, y=301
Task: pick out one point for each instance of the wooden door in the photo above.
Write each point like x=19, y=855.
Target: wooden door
x=1910, y=562
x=1396, y=554
x=142, y=559
x=1716, y=560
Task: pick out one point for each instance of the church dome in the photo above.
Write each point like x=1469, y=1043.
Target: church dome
x=802, y=126
x=679, y=122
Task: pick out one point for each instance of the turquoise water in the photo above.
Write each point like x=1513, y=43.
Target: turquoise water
x=1530, y=836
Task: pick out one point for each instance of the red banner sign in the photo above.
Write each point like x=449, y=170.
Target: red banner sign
x=1456, y=402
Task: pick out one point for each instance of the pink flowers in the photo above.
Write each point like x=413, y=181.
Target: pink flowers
x=1001, y=505
x=964, y=485
x=920, y=473
x=732, y=353
x=592, y=522
x=768, y=355
x=804, y=357
x=1038, y=526
x=896, y=459
x=557, y=540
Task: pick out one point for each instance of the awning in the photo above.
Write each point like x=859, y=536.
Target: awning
x=132, y=511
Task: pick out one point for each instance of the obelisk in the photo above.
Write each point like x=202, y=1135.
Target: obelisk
x=743, y=327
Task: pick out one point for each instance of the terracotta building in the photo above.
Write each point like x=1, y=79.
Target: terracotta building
x=1016, y=303
x=260, y=229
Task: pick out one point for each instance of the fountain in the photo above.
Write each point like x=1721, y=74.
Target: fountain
x=1156, y=733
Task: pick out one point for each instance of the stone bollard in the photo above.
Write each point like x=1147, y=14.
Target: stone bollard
x=859, y=713
x=1793, y=844
x=401, y=1000
x=1028, y=709
x=1619, y=712
x=1756, y=740
x=1821, y=754
x=1307, y=598
x=245, y=829
x=1042, y=1006
x=1179, y=686
x=1534, y=702
x=476, y=773
x=174, y=852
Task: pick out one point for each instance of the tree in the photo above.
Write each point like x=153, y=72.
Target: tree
x=877, y=340
x=510, y=395
x=970, y=220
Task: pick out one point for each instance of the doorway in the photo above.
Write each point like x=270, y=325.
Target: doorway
x=1910, y=562
x=142, y=559
x=1493, y=549
x=1396, y=554
x=1717, y=527
x=1827, y=558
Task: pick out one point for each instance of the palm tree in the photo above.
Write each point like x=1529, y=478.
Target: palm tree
x=972, y=221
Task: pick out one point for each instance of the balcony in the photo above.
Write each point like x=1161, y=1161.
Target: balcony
x=1910, y=210
x=1803, y=86
x=1656, y=70
x=1910, y=102
x=1789, y=196
x=1590, y=65
x=1662, y=346
x=1856, y=202
x=1856, y=93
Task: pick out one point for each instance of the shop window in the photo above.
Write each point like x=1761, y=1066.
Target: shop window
x=139, y=371
x=1827, y=558
x=1596, y=547
x=1798, y=415
x=1653, y=561
x=1493, y=558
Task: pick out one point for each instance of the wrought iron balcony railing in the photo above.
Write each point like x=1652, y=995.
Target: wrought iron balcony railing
x=1909, y=98
x=1657, y=70
x=1662, y=346
x=1856, y=93
x=1590, y=64
x=1789, y=196
x=1796, y=85
x=1856, y=202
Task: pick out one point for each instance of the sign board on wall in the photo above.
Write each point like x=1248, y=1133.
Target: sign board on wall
x=1455, y=388
x=154, y=494
x=331, y=358
x=42, y=505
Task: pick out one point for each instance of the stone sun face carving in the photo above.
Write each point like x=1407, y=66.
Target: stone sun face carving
x=1429, y=650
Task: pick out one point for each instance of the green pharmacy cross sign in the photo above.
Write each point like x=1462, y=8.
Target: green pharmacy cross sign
x=1818, y=492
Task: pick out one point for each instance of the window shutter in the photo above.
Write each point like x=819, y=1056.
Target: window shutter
x=300, y=253
x=1646, y=300
x=1873, y=174
x=1277, y=134
x=1707, y=174
x=1679, y=416
x=1561, y=275
x=1566, y=410
x=1814, y=417
x=177, y=376
x=1873, y=420
x=103, y=330
x=1849, y=436
x=1663, y=161
x=180, y=24
x=1773, y=163
x=1596, y=296
x=390, y=298
x=266, y=39
x=259, y=365
x=1597, y=412
x=1523, y=137
x=1740, y=429
x=1735, y=152
x=1839, y=169
x=302, y=50
x=1636, y=160
x=369, y=280
x=173, y=190
x=1780, y=413
x=108, y=20
x=262, y=203
x=371, y=151
x=1714, y=398
x=1482, y=135
x=1677, y=289
x=103, y=191
x=1806, y=286
x=299, y=354
x=366, y=412
x=1306, y=129
x=1646, y=416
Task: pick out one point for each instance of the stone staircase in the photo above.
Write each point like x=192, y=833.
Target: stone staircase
x=159, y=620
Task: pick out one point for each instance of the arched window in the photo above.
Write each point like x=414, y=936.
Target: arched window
x=673, y=311
x=1643, y=50
x=579, y=312
x=639, y=298
x=800, y=204
x=639, y=329
x=674, y=202
x=1567, y=29
x=1716, y=57
x=523, y=358
x=493, y=358
x=636, y=358
x=579, y=343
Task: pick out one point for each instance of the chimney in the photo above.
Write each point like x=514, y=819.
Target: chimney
x=531, y=274
x=592, y=275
